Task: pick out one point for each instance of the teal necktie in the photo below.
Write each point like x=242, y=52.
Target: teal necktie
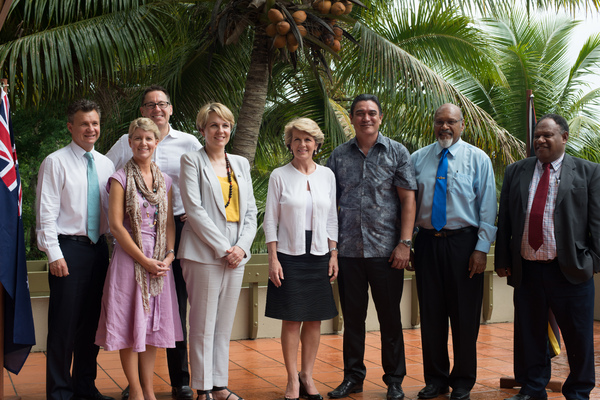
x=438, y=210
x=93, y=200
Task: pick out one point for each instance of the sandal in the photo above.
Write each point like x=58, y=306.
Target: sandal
x=219, y=388
x=207, y=394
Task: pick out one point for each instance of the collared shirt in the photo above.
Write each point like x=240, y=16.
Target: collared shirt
x=369, y=207
x=61, y=200
x=166, y=156
x=285, y=211
x=471, y=189
x=548, y=249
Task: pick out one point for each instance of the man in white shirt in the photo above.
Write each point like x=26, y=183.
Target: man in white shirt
x=156, y=105
x=71, y=223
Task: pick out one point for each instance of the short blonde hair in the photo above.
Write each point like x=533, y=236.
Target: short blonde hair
x=220, y=109
x=304, y=125
x=145, y=124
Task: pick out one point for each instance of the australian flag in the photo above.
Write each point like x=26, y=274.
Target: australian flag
x=19, y=335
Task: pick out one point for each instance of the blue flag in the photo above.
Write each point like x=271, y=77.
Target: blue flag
x=19, y=334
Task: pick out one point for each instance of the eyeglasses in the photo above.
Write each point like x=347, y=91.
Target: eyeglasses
x=452, y=122
x=161, y=104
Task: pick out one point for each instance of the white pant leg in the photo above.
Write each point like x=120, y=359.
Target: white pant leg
x=213, y=293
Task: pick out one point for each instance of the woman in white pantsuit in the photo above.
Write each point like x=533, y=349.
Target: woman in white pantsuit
x=216, y=189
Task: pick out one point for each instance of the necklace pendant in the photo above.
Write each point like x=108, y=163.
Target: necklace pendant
x=145, y=204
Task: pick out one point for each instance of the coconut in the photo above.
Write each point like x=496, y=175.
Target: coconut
x=348, y=7
x=337, y=8
x=271, y=30
x=336, y=46
x=325, y=6
x=338, y=32
x=299, y=16
x=279, y=41
x=292, y=47
x=283, y=27
x=317, y=4
x=302, y=30
x=275, y=16
x=291, y=39
x=328, y=39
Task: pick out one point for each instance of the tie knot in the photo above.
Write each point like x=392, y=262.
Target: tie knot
x=546, y=166
x=444, y=152
x=88, y=155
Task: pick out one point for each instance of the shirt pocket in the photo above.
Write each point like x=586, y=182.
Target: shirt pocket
x=461, y=185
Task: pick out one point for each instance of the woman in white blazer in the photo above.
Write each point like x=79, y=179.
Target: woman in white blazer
x=216, y=189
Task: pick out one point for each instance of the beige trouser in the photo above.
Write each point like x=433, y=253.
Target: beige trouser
x=213, y=292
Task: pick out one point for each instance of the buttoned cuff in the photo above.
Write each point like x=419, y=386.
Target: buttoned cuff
x=483, y=246
x=54, y=253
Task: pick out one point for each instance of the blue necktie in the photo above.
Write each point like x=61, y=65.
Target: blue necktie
x=438, y=210
x=93, y=200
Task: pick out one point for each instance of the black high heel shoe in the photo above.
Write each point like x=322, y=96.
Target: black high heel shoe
x=304, y=392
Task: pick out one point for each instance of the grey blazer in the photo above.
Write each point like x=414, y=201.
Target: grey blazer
x=576, y=218
x=203, y=237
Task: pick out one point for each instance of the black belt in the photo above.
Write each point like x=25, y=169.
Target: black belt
x=83, y=239
x=447, y=232
x=541, y=261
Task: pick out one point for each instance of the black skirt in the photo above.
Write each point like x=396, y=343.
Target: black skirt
x=305, y=293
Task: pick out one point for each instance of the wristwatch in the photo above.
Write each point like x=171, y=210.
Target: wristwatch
x=407, y=243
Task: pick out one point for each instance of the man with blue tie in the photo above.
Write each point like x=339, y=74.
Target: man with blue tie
x=549, y=248
x=456, y=212
x=71, y=223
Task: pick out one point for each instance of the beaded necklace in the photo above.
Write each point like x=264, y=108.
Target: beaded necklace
x=228, y=166
x=146, y=205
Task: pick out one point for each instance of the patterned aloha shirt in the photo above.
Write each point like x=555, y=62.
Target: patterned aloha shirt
x=369, y=207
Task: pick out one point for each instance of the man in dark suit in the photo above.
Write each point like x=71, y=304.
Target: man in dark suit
x=548, y=245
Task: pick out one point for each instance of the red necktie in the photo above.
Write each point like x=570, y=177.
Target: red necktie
x=536, y=216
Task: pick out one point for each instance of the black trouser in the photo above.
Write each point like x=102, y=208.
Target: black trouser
x=355, y=277
x=545, y=287
x=177, y=357
x=73, y=314
x=446, y=292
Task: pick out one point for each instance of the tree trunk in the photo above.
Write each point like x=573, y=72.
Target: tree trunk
x=255, y=98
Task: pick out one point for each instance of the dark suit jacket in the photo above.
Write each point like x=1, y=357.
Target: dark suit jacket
x=576, y=218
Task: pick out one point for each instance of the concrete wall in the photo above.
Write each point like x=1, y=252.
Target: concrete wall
x=268, y=328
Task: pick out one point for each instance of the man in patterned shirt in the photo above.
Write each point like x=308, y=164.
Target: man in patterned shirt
x=375, y=189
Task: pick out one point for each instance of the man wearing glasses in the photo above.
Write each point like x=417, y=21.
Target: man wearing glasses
x=156, y=105
x=456, y=212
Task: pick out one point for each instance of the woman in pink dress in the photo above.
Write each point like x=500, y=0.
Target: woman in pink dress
x=139, y=304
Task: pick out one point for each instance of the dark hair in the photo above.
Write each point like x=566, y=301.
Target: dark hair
x=560, y=121
x=365, y=97
x=84, y=105
x=155, y=88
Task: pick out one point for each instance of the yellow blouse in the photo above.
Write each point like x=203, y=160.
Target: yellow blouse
x=232, y=212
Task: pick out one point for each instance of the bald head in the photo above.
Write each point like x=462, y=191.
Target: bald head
x=448, y=124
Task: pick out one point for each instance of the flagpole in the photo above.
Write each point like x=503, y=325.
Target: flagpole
x=529, y=96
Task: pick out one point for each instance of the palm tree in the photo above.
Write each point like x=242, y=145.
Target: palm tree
x=535, y=54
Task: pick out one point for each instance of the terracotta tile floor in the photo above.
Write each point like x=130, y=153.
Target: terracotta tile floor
x=257, y=371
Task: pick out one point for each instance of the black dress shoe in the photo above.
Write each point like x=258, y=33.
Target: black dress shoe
x=395, y=391
x=125, y=393
x=95, y=396
x=460, y=394
x=432, y=391
x=345, y=388
x=521, y=396
x=182, y=393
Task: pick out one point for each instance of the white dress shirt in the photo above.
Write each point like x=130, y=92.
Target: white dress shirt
x=285, y=213
x=547, y=250
x=61, y=201
x=166, y=156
